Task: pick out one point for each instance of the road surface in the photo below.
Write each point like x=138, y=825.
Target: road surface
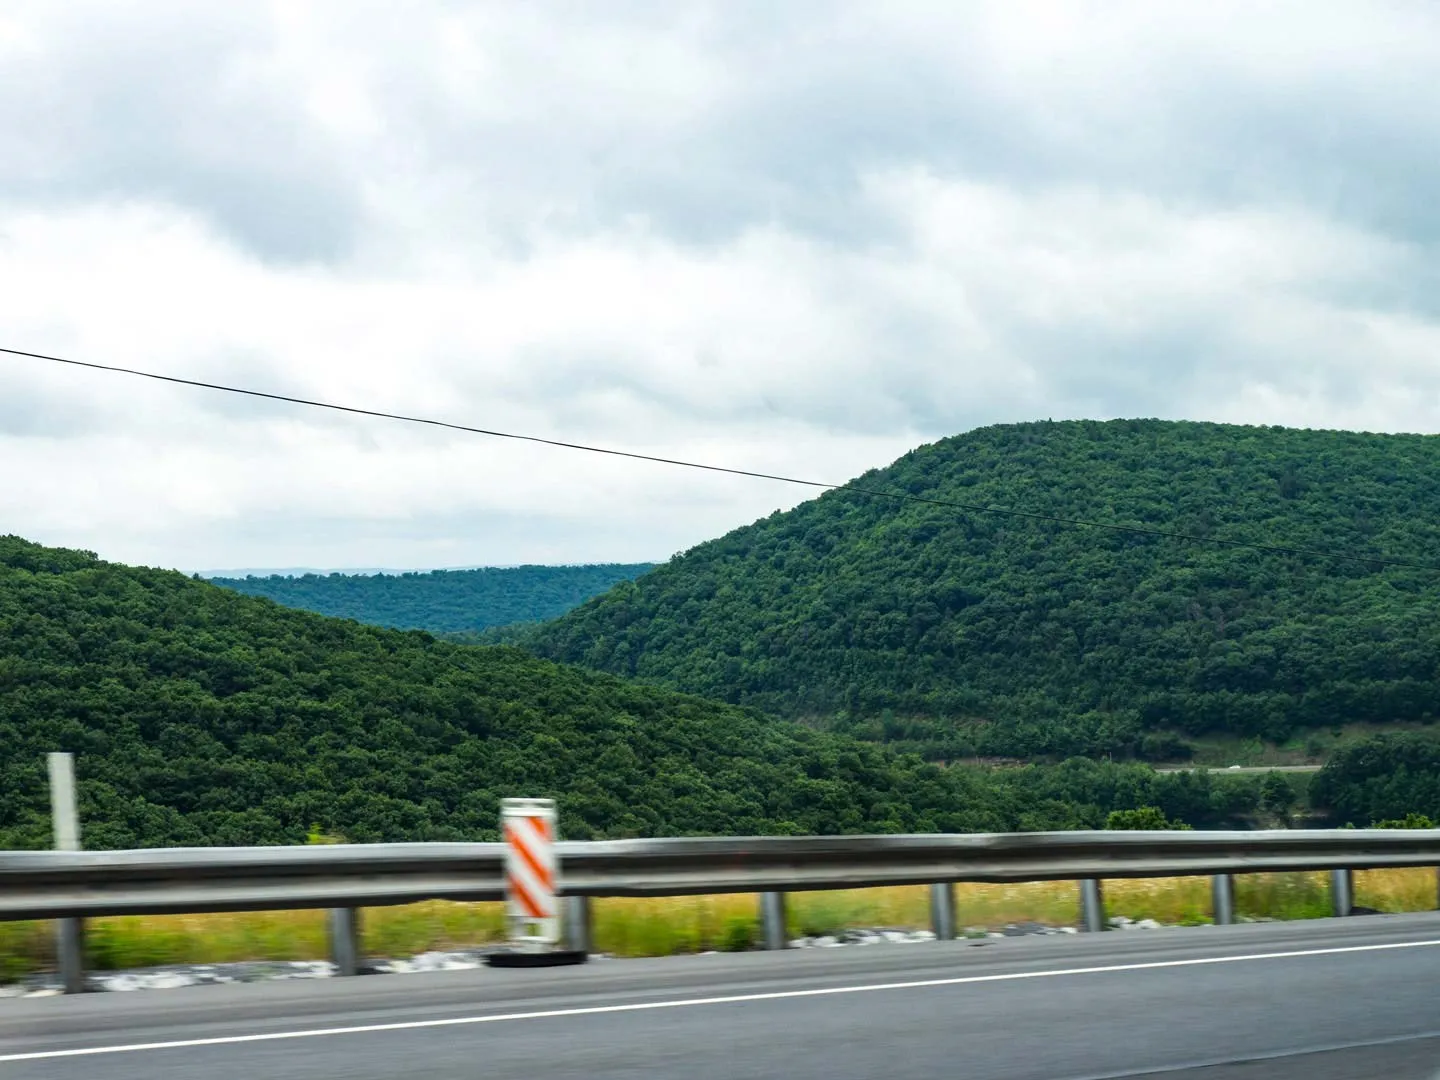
x=1328, y=999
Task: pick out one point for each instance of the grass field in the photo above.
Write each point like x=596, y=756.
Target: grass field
x=658, y=927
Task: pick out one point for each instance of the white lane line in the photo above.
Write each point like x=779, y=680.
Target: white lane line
x=685, y=1003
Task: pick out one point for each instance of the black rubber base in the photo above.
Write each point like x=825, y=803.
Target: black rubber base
x=535, y=959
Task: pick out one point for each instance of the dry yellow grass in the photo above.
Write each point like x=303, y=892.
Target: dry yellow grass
x=661, y=926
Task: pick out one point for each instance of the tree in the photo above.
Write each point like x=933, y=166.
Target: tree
x=1277, y=797
x=1149, y=818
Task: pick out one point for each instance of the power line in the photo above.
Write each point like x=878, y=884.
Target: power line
x=898, y=496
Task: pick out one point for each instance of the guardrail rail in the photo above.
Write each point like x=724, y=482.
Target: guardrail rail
x=75, y=885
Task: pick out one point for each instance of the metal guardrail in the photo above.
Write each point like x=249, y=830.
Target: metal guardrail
x=85, y=884
x=61, y=884
x=174, y=881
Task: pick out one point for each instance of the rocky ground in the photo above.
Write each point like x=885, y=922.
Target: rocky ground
x=175, y=976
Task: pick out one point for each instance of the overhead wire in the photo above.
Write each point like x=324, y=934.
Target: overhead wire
x=899, y=496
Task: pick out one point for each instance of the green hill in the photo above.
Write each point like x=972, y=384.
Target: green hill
x=200, y=716
x=442, y=601
x=961, y=633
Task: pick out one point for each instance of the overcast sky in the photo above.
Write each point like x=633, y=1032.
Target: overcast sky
x=796, y=237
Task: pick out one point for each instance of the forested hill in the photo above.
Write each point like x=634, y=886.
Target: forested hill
x=961, y=632
x=200, y=716
x=442, y=601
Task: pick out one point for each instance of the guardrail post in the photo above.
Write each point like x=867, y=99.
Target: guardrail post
x=65, y=819
x=942, y=910
x=578, y=924
x=1437, y=888
x=1222, y=893
x=772, y=921
x=1092, y=906
x=345, y=940
x=1342, y=891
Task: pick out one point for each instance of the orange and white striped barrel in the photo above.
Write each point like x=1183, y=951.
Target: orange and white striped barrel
x=531, y=870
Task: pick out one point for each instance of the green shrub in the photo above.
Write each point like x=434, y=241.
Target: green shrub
x=738, y=935
x=1409, y=821
x=1143, y=818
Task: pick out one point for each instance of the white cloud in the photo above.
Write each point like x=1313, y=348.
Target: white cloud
x=796, y=242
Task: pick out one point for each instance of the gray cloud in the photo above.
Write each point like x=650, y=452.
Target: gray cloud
x=796, y=237
x=806, y=106
x=36, y=411
x=174, y=105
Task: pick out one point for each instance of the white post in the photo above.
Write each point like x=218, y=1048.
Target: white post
x=65, y=818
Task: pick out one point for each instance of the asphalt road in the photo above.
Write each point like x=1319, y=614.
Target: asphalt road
x=1345, y=998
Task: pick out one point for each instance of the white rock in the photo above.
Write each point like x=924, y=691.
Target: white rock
x=314, y=969
x=1148, y=924
x=439, y=961
x=168, y=980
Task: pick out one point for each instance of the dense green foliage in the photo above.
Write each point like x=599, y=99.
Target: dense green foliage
x=200, y=716
x=1386, y=778
x=1409, y=821
x=1142, y=818
x=443, y=601
x=962, y=633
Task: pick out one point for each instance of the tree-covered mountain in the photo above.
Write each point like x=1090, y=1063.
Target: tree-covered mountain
x=442, y=601
x=200, y=716
x=960, y=632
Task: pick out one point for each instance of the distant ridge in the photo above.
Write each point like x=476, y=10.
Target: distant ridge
x=349, y=571
x=461, y=601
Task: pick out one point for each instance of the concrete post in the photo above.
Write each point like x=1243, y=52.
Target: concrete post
x=1092, y=906
x=345, y=940
x=772, y=921
x=578, y=924
x=1342, y=891
x=942, y=910
x=65, y=819
x=1222, y=893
